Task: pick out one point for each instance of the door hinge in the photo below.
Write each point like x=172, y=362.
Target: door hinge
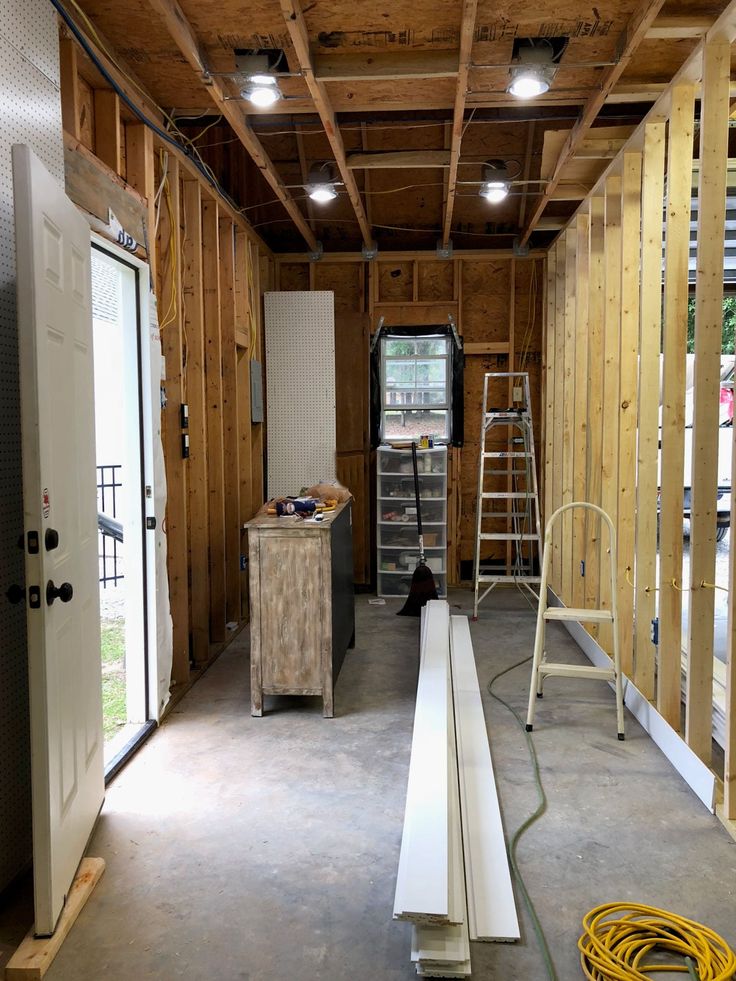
x=150, y=524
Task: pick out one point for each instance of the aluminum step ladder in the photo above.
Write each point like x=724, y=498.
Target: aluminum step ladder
x=507, y=509
x=541, y=668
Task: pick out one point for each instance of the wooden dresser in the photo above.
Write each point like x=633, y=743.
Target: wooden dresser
x=301, y=604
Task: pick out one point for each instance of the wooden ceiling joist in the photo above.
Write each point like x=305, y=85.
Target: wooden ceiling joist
x=385, y=66
x=182, y=34
x=636, y=30
x=684, y=25
x=467, y=28
x=297, y=28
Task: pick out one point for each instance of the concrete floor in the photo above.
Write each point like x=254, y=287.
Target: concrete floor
x=266, y=849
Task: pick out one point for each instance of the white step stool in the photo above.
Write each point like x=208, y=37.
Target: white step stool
x=541, y=668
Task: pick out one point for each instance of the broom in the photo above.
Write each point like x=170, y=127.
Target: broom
x=422, y=587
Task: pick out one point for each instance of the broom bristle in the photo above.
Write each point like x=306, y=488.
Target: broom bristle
x=421, y=591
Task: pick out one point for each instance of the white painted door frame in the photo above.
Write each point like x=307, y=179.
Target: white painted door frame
x=150, y=403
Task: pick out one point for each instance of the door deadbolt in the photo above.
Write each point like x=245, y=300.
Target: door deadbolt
x=51, y=539
x=15, y=594
x=63, y=592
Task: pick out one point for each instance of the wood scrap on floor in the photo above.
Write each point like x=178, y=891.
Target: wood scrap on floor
x=453, y=881
x=35, y=955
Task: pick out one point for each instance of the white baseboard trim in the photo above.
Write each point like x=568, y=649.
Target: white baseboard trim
x=699, y=777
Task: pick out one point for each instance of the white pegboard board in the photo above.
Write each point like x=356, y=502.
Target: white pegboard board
x=300, y=389
x=30, y=113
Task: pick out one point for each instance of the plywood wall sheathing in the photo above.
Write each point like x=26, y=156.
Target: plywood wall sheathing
x=108, y=143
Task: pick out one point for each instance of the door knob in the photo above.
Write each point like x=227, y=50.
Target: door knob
x=51, y=539
x=63, y=592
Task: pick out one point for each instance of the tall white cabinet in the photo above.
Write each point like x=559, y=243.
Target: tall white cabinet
x=397, y=537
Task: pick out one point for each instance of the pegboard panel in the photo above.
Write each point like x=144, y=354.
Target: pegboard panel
x=300, y=389
x=31, y=113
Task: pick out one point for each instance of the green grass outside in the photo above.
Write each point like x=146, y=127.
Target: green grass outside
x=113, y=677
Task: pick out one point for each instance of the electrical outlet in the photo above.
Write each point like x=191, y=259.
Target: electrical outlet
x=184, y=446
x=517, y=393
x=654, y=632
x=184, y=416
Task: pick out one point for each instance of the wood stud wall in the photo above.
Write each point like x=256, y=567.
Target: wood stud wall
x=626, y=314
x=205, y=265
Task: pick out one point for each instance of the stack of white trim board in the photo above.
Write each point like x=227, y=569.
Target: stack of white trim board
x=453, y=881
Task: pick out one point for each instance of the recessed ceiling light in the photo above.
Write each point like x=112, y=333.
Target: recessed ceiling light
x=320, y=184
x=321, y=193
x=262, y=94
x=529, y=81
x=494, y=191
x=496, y=181
x=260, y=78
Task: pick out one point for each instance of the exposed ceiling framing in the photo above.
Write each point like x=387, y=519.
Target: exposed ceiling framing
x=408, y=98
x=300, y=39
x=181, y=32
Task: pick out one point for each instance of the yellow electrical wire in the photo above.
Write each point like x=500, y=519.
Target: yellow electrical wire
x=618, y=937
x=647, y=589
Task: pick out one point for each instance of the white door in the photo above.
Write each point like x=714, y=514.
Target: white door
x=60, y=517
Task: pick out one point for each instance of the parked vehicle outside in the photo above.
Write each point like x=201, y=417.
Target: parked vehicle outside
x=725, y=450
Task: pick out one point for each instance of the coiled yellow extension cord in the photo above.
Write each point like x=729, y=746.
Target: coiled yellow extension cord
x=618, y=937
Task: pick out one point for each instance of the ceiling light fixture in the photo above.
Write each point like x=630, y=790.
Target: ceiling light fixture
x=529, y=81
x=262, y=91
x=496, y=181
x=320, y=184
x=535, y=63
x=261, y=78
x=494, y=191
